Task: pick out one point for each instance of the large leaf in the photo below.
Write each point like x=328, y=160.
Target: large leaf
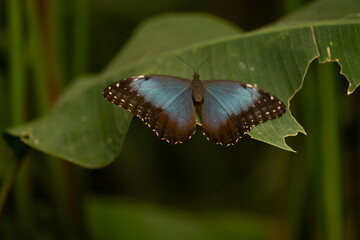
x=89, y=131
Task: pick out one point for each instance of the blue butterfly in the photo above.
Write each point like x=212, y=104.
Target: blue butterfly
x=168, y=105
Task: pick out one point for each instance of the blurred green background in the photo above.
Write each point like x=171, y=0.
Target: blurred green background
x=154, y=190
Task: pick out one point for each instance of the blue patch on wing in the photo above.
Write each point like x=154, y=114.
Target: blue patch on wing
x=161, y=90
x=164, y=103
x=223, y=99
x=231, y=108
x=181, y=109
x=213, y=113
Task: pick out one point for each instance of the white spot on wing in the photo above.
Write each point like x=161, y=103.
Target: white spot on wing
x=138, y=77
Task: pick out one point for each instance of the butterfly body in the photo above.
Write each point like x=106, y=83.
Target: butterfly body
x=197, y=94
x=168, y=105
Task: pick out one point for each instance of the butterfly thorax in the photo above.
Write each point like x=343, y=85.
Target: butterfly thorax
x=197, y=93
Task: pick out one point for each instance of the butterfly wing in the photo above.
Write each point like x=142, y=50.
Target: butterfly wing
x=231, y=108
x=162, y=102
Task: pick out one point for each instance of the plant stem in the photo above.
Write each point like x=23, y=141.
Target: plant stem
x=80, y=37
x=23, y=197
x=7, y=183
x=16, y=64
x=18, y=110
x=308, y=163
x=46, y=73
x=56, y=19
x=38, y=59
x=331, y=161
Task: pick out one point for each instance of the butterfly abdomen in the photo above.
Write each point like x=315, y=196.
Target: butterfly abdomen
x=196, y=92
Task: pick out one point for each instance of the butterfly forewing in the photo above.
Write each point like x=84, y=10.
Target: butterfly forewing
x=162, y=102
x=231, y=108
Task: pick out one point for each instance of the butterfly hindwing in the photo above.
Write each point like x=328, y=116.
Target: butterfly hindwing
x=231, y=108
x=162, y=102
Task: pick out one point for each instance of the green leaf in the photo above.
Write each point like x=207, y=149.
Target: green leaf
x=87, y=130
x=80, y=128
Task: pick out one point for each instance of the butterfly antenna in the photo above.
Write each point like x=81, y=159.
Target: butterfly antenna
x=186, y=63
x=203, y=64
x=197, y=71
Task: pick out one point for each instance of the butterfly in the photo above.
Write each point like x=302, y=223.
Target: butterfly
x=169, y=104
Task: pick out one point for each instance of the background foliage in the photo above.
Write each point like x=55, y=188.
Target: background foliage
x=158, y=191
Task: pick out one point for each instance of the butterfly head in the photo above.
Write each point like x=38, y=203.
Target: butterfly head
x=196, y=73
x=196, y=92
x=196, y=76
